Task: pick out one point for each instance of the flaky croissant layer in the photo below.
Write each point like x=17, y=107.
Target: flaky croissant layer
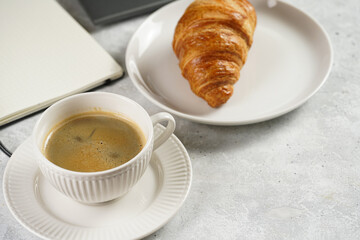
x=211, y=41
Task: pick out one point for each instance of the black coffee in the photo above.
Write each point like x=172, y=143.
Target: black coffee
x=93, y=141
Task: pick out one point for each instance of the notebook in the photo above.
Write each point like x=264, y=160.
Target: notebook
x=45, y=55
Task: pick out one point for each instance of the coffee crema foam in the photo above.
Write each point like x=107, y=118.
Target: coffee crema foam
x=93, y=141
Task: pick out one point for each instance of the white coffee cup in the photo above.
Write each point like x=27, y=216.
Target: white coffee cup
x=97, y=187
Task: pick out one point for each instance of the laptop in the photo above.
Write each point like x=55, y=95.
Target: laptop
x=109, y=11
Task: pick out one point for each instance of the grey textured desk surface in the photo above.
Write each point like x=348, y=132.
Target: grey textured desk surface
x=294, y=177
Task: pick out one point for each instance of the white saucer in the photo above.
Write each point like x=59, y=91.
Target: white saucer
x=147, y=207
x=289, y=61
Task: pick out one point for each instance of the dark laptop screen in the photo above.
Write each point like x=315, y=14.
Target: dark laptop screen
x=107, y=11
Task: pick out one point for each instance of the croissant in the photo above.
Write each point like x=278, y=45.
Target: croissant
x=211, y=41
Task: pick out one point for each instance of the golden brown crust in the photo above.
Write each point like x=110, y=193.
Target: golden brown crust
x=211, y=41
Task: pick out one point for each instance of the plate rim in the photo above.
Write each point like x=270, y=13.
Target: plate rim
x=30, y=228
x=262, y=117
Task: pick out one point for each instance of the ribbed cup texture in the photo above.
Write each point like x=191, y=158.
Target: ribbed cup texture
x=100, y=188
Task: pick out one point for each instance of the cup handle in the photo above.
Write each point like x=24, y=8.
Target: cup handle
x=157, y=118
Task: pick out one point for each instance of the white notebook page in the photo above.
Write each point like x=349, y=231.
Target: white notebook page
x=45, y=55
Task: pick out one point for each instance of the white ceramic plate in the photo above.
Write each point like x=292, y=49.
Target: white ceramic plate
x=148, y=206
x=289, y=61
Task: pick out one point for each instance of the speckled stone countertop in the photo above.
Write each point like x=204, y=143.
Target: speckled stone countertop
x=294, y=177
